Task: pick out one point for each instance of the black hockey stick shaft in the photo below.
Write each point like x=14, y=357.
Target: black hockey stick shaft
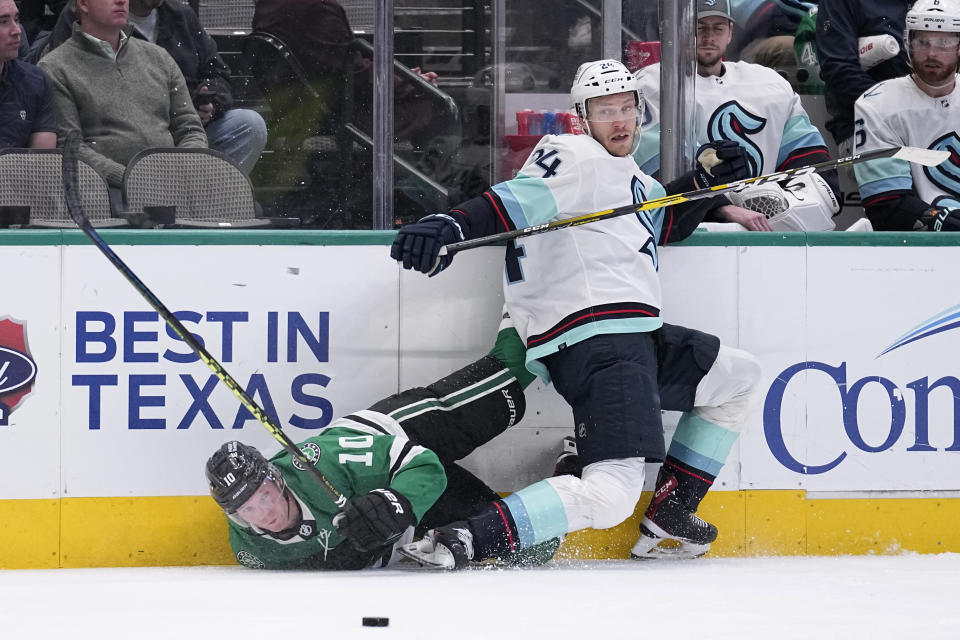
x=71, y=190
x=926, y=157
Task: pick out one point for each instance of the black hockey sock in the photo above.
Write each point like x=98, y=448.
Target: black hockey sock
x=692, y=483
x=494, y=531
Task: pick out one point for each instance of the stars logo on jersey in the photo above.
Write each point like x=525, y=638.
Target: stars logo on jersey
x=732, y=122
x=312, y=452
x=946, y=175
x=249, y=560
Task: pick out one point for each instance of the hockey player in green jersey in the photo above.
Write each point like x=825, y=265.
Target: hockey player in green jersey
x=395, y=462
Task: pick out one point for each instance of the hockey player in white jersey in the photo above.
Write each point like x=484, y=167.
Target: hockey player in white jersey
x=754, y=106
x=919, y=110
x=586, y=301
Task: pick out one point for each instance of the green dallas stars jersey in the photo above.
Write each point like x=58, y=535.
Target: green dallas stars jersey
x=358, y=453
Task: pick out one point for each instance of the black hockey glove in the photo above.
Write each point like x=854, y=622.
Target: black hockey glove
x=418, y=245
x=938, y=219
x=375, y=519
x=721, y=162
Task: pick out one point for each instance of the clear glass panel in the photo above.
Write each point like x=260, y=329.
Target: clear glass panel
x=318, y=167
x=765, y=33
x=777, y=34
x=441, y=124
x=314, y=91
x=640, y=35
x=545, y=42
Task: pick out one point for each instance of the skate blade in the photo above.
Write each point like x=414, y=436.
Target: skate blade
x=666, y=549
x=427, y=555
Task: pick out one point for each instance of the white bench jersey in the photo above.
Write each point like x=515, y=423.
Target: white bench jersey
x=896, y=113
x=749, y=104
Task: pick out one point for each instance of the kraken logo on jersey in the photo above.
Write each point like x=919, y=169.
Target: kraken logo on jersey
x=639, y=193
x=650, y=246
x=732, y=122
x=946, y=175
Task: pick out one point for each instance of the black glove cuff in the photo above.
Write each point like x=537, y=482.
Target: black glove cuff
x=402, y=500
x=682, y=184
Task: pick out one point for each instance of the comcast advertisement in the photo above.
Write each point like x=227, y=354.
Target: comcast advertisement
x=865, y=394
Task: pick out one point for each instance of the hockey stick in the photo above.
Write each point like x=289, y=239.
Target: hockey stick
x=926, y=157
x=71, y=191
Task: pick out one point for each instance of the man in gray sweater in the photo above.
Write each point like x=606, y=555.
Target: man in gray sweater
x=123, y=94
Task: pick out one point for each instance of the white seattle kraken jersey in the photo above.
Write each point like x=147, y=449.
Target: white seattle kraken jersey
x=896, y=113
x=750, y=104
x=565, y=286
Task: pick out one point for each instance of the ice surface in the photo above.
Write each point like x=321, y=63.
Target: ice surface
x=875, y=597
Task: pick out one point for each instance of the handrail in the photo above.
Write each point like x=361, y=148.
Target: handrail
x=363, y=138
x=350, y=128
x=281, y=47
x=452, y=109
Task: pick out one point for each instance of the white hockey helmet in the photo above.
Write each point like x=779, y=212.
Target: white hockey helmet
x=932, y=15
x=603, y=78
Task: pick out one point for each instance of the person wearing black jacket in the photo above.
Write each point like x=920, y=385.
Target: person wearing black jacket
x=34, y=16
x=26, y=102
x=240, y=134
x=839, y=24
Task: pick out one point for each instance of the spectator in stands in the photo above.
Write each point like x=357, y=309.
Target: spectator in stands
x=35, y=17
x=24, y=49
x=123, y=94
x=767, y=34
x=839, y=25
x=318, y=34
x=26, y=104
x=240, y=134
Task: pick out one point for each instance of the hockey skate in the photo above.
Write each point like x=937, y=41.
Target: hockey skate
x=668, y=518
x=447, y=548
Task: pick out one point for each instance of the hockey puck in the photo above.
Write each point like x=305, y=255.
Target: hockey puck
x=376, y=622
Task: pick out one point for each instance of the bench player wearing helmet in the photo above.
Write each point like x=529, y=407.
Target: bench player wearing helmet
x=586, y=302
x=921, y=109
